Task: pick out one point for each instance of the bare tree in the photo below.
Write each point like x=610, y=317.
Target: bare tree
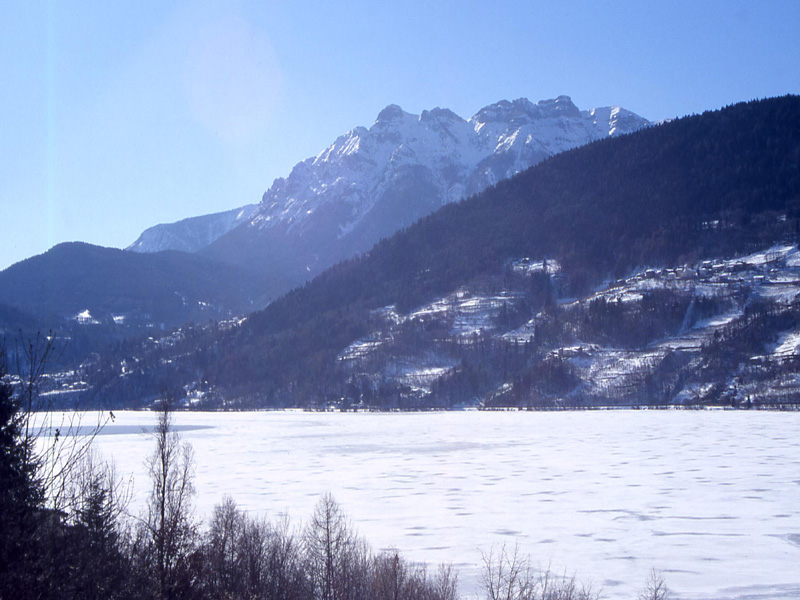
x=224, y=568
x=57, y=441
x=507, y=575
x=510, y=576
x=445, y=584
x=70, y=552
x=395, y=578
x=96, y=480
x=655, y=588
x=247, y=557
x=169, y=525
x=283, y=576
x=392, y=579
x=98, y=499
x=337, y=557
x=32, y=358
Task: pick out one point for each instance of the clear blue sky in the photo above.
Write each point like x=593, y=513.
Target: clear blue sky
x=115, y=116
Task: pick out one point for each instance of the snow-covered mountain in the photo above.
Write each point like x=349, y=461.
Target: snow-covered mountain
x=189, y=235
x=374, y=181
x=456, y=156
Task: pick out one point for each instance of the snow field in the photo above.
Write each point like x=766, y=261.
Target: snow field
x=707, y=497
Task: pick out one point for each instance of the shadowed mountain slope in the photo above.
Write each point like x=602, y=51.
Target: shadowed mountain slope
x=167, y=288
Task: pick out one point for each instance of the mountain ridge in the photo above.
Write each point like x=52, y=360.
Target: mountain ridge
x=190, y=234
x=168, y=287
x=722, y=184
x=370, y=182
x=362, y=188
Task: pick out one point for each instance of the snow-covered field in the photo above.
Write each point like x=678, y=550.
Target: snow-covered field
x=710, y=498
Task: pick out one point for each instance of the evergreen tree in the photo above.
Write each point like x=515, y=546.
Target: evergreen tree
x=21, y=496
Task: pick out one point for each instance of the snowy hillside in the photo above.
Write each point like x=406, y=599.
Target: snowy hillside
x=722, y=332
x=373, y=181
x=189, y=235
x=718, y=331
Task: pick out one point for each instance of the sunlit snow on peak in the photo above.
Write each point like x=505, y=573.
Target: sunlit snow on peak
x=417, y=163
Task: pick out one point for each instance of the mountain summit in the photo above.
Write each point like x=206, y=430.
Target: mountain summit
x=373, y=181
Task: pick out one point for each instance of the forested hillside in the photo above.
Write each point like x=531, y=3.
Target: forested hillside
x=94, y=296
x=721, y=184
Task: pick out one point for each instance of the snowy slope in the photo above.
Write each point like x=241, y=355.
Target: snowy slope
x=373, y=181
x=189, y=235
x=610, y=373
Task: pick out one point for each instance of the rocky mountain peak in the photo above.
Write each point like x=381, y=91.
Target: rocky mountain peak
x=390, y=114
x=439, y=114
x=559, y=107
x=370, y=182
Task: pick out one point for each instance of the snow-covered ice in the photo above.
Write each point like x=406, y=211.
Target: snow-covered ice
x=708, y=497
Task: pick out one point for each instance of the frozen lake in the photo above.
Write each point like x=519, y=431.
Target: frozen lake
x=710, y=498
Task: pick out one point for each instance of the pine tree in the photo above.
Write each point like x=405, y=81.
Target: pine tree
x=21, y=495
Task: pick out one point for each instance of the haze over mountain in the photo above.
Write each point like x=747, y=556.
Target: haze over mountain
x=191, y=234
x=373, y=181
x=661, y=267
x=90, y=296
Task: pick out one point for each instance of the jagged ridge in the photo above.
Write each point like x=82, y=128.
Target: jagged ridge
x=373, y=181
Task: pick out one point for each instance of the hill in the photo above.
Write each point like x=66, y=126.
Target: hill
x=80, y=290
x=713, y=186
x=368, y=184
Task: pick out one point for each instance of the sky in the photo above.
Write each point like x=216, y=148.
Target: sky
x=116, y=116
